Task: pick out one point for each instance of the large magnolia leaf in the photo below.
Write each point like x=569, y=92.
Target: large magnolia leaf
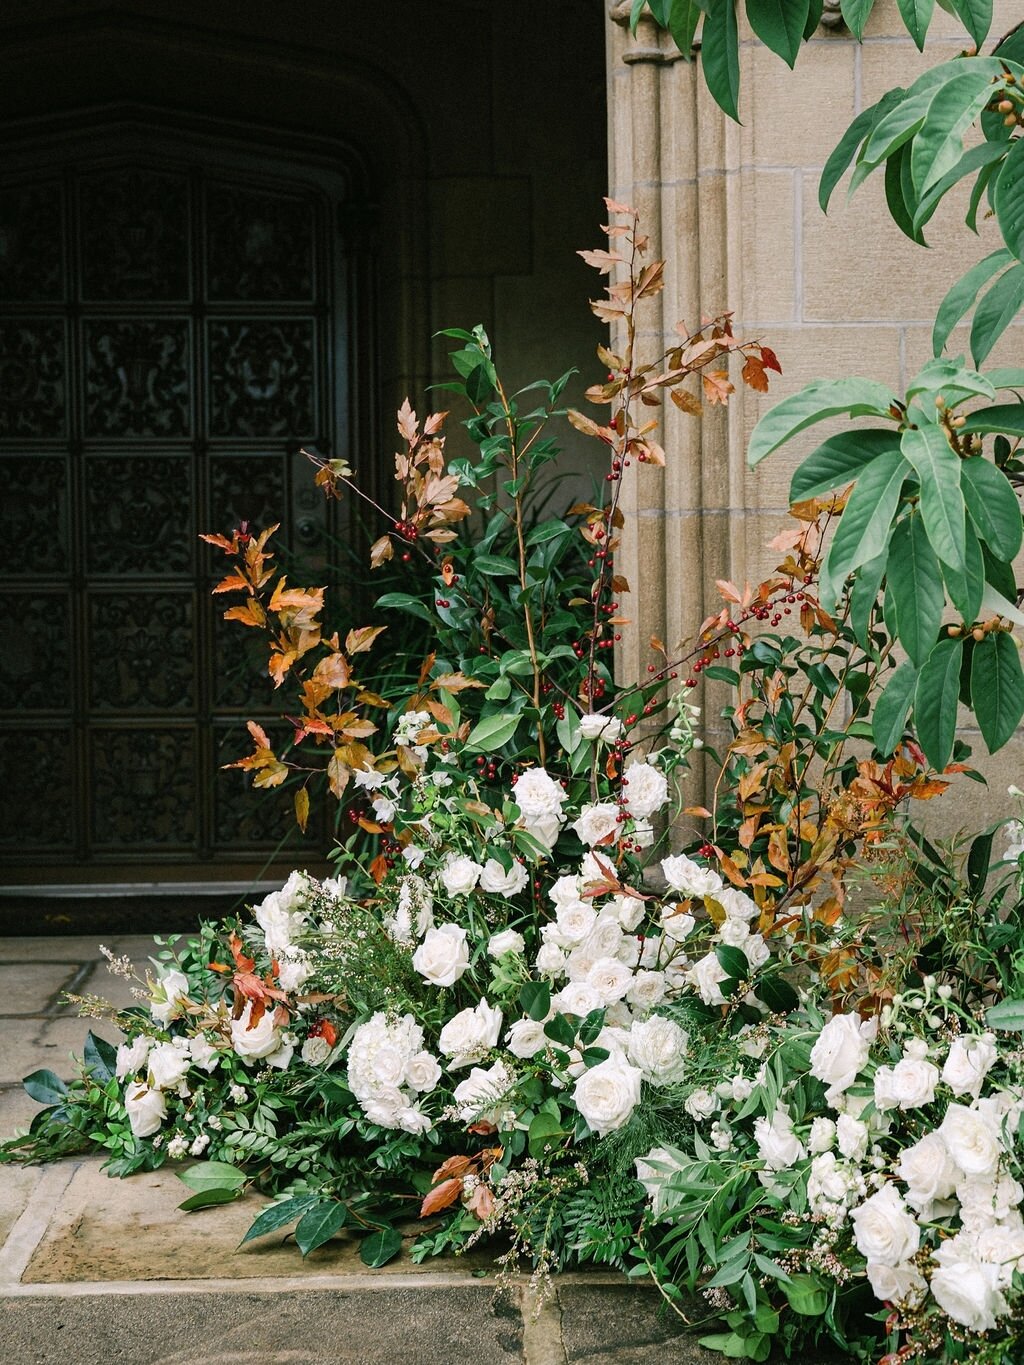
x=937, y=465
x=814, y=403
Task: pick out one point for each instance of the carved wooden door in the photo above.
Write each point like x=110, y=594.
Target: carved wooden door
x=167, y=340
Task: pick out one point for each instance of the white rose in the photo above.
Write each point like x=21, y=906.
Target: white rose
x=545, y=829
x=280, y=926
x=495, y=880
x=293, y=974
x=610, y=978
x=902, y=1284
x=984, y=1200
x=968, y=1291
x=413, y=1120
x=131, y=1057
x=574, y=922
x=913, y=1082
x=259, y=1041
x=526, y=1038
x=282, y=1054
x=969, y=1061
x=734, y=932
x=646, y=789
x=550, y=960
x=597, y=823
x=700, y=1104
x=736, y=904
x=643, y=833
x=460, y=874
x=168, y=1064
x=471, y=1034
x=829, y=1183
x=565, y=891
x=676, y=923
x=689, y=878
x=443, y=955
x=822, y=1135
x=928, y=1170
x=647, y=990
x=883, y=1229
x=706, y=976
x=852, y=1137
x=886, y=1096
x=607, y=1094
x=169, y=994
x=146, y=1108
x=658, y=1047
x=839, y=1053
x=629, y=911
x=508, y=941
x=422, y=1072
x=971, y=1140
x=538, y=795
x=756, y=950
x=480, y=1095
x=777, y=1145
x=384, y=1108
x=316, y=1050
x=578, y=997
x=605, y=728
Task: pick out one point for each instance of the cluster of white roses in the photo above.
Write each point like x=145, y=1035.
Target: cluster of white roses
x=284, y=915
x=931, y=1204
x=390, y=1072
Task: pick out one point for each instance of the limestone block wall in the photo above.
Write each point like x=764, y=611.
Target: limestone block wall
x=734, y=211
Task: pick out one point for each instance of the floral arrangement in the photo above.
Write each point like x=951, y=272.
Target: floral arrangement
x=776, y=1071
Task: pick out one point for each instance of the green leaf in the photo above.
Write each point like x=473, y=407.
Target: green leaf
x=683, y=16
x=319, y=1225
x=45, y=1087
x=1008, y=199
x=1004, y=418
x=635, y=10
x=805, y=1295
x=814, y=403
x=780, y=25
x=889, y=718
x=996, y=311
x=734, y=961
x=954, y=107
x=545, y=1131
x=720, y=54
x=559, y=1030
x=535, y=999
x=777, y=994
x=902, y=122
x=402, y=601
x=935, y=701
x=495, y=566
x=206, y=1199
x=211, y=1175
x=982, y=157
x=1007, y=1016
x=863, y=530
x=967, y=589
x=916, y=583
x=900, y=195
x=493, y=731
x=842, y=154
x=279, y=1216
x=838, y=461
x=937, y=466
x=961, y=297
x=100, y=1058
x=952, y=380
x=855, y=14
x=917, y=15
x=978, y=862
x=997, y=688
x=976, y=17
x=548, y=530
x=992, y=505
x=864, y=593
x=380, y=1247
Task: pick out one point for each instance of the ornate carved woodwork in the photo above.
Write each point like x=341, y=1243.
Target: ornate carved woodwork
x=166, y=340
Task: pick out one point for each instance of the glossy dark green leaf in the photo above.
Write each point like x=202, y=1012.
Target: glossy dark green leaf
x=780, y=25
x=864, y=594
x=839, y=460
x=279, y=1216
x=559, y=1030
x=535, y=999
x=954, y=107
x=997, y=688
x=493, y=731
x=900, y=196
x=1005, y=418
x=983, y=156
x=935, y=701
x=377, y=1248
x=210, y=1175
x=960, y=298
x=889, y=719
x=777, y=994
x=815, y=10
x=996, y=311
x=916, y=582
x=720, y=54
x=937, y=466
x=976, y=17
x=319, y=1225
x=805, y=1295
x=992, y=505
x=733, y=960
x=979, y=861
x=856, y=14
x=1008, y=198
x=100, y=1058
x=967, y=588
x=683, y=17
x=206, y=1199
x=45, y=1087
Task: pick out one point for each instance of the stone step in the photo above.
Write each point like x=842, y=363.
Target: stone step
x=95, y=1271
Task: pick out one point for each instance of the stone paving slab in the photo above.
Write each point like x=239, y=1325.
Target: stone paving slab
x=35, y=987
x=49, y=1043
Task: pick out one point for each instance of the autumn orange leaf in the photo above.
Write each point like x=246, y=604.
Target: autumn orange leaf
x=441, y=1197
